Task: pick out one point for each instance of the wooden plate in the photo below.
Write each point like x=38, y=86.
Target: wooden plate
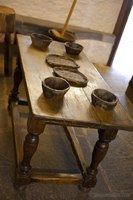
x=73, y=76
x=61, y=61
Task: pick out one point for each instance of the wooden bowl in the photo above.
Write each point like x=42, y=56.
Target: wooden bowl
x=55, y=88
x=104, y=99
x=40, y=41
x=68, y=36
x=73, y=48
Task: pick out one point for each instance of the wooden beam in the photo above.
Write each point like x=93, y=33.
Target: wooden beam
x=16, y=125
x=70, y=131
x=56, y=177
x=119, y=27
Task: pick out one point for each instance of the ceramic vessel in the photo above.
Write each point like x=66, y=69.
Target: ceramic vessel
x=73, y=48
x=55, y=88
x=40, y=41
x=104, y=99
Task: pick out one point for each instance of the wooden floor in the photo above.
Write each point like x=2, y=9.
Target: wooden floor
x=115, y=177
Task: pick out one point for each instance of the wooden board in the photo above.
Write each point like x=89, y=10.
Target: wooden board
x=74, y=77
x=61, y=61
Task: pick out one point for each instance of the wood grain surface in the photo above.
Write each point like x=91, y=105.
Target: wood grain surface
x=76, y=109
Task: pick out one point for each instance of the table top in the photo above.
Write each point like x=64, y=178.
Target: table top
x=76, y=108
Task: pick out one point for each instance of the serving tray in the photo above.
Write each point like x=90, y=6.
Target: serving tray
x=55, y=60
x=73, y=76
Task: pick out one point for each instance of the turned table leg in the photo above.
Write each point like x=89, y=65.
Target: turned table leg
x=35, y=128
x=30, y=146
x=17, y=80
x=99, y=152
x=23, y=176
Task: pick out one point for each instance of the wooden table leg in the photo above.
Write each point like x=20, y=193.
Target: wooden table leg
x=99, y=152
x=17, y=80
x=8, y=59
x=24, y=172
x=35, y=128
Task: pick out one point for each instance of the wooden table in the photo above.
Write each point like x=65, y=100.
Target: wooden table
x=75, y=111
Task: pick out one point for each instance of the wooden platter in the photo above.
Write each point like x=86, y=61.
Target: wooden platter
x=61, y=61
x=73, y=76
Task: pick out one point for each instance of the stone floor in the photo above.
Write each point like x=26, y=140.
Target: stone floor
x=115, y=177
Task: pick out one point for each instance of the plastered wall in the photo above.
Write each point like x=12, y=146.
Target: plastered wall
x=100, y=15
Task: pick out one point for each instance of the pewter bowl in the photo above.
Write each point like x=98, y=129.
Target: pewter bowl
x=55, y=88
x=104, y=99
x=40, y=41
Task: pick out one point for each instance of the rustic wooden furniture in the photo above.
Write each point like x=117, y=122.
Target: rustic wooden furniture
x=7, y=36
x=129, y=90
x=75, y=111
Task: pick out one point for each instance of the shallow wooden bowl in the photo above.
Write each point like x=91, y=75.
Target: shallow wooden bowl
x=104, y=99
x=73, y=48
x=40, y=41
x=68, y=36
x=55, y=88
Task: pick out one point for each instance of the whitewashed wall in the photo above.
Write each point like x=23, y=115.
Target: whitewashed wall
x=98, y=15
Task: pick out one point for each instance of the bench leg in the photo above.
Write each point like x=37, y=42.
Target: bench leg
x=8, y=56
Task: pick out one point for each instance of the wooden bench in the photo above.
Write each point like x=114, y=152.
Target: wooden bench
x=7, y=36
x=129, y=90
